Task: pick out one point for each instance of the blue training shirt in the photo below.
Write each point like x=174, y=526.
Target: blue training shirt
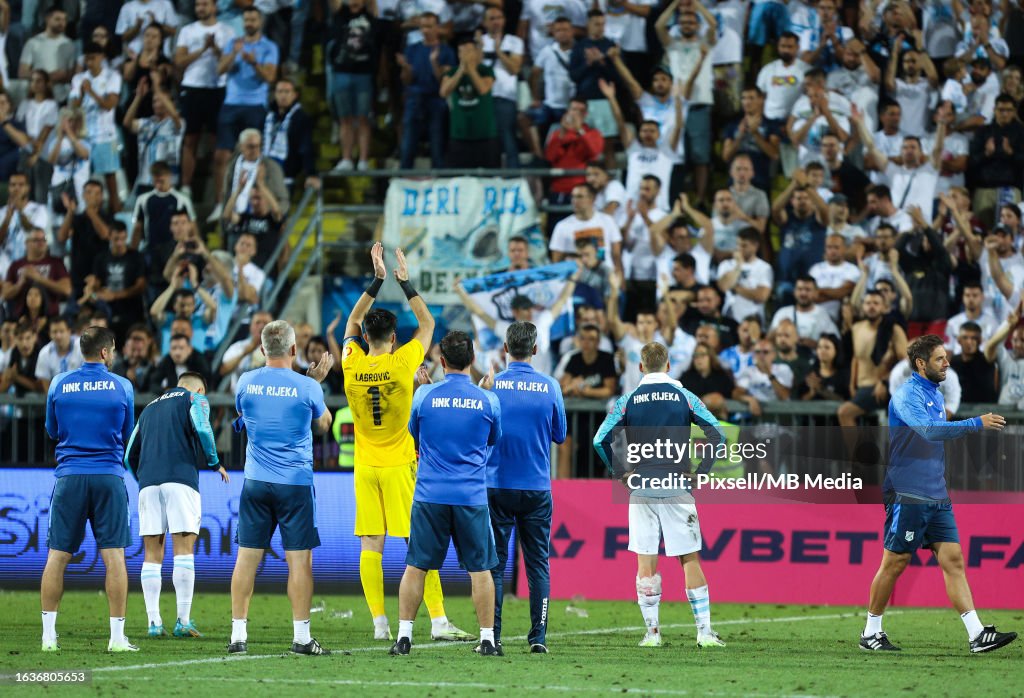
x=917, y=430
x=278, y=407
x=533, y=415
x=90, y=413
x=172, y=440
x=454, y=423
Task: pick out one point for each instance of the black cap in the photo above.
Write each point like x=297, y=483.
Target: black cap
x=1002, y=230
x=839, y=199
x=92, y=47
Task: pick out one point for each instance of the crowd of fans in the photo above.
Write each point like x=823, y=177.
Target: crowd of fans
x=805, y=185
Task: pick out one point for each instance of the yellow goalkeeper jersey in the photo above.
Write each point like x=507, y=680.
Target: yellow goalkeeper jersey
x=379, y=391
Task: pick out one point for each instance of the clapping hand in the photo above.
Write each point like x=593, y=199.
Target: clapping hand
x=402, y=272
x=319, y=371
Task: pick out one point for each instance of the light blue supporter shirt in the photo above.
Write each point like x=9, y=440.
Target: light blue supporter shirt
x=533, y=414
x=278, y=407
x=454, y=423
x=90, y=413
x=245, y=86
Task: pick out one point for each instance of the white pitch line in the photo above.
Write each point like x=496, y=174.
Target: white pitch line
x=433, y=645
x=487, y=686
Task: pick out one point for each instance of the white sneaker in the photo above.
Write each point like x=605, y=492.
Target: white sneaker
x=344, y=164
x=709, y=639
x=51, y=645
x=363, y=166
x=215, y=214
x=449, y=633
x=123, y=646
x=652, y=638
x=381, y=630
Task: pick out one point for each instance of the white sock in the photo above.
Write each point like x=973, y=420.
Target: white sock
x=151, y=591
x=439, y=623
x=380, y=621
x=49, y=626
x=487, y=634
x=238, y=630
x=300, y=631
x=874, y=625
x=700, y=604
x=117, y=630
x=184, y=577
x=405, y=629
x=972, y=623
x=649, y=609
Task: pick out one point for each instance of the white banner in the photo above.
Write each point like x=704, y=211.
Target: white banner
x=458, y=227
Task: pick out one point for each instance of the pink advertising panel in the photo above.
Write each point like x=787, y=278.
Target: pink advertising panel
x=780, y=553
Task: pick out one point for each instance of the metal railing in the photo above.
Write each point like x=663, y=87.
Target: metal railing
x=808, y=433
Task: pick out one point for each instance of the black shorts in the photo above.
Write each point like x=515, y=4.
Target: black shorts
x=200, y=107
x=864, y=398
x=266, y=505
x=434, y=526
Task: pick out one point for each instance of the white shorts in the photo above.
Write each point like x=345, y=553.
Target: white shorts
x=650, y=518
x=169, y=508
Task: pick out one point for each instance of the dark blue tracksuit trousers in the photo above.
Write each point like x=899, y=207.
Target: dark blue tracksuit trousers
x=529, y=511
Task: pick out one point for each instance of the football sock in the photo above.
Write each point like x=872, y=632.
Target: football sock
x=648, y=596
x=700, y=604
x=184, y=577
x=117, y=630
x=151, y=591
x=371, y=574
x=433, y=597
x=49, y=626
x=874, y=625
x=405, y=629
x=487, y=634
x=300, y=632
x=972, y=623
x=239, y=632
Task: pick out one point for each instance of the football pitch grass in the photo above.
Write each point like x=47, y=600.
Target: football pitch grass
x=773, y=650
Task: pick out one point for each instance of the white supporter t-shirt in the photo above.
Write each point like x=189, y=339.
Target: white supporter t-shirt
x=812, y=323
x=995, y=302
x=541, y=13
x=1011, y=378
x=641, y=161
x=954, y=145
x=543, y=321
x=653, y=109
x=625, y=28
x=915, y=100
x=613, y=192
x=631, y=375
x=202, y=73
x=731, y=16
x=505, y=83
x=810, y=147
x=759, y=385
x=100, y=123
x=833, y=276
x=782, y=86
x=643, y=264
x=599, y=227
x=701, y=272
x=753, y=274
x=986, y=321
x=37, y=115
x=891, y=147
x=915, y=187
x=160, y=11
x=13, y=247
x=249, y=362
x=558, y=86
x=51, y=363
x=682, y=59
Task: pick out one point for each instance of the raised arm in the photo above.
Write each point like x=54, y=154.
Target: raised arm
x=1000, y=335
x=608, y=90
x=616, y=327
x=354, y=325
x=474, y=307
x=661, y=26
x=425, y=321
x=634, y=88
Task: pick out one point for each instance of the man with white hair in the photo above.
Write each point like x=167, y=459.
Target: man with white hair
x=247, y=168
x=278, y=407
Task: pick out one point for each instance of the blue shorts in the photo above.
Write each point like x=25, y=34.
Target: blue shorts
x=697, y=132
x=433, y=526
x=102, y=500
x=104, y=158
x=266, y=505
x=235, y=118
x=912, y=523
x=767, y=21
x=352, y=95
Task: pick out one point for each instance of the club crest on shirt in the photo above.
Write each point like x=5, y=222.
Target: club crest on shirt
x=909, y=536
